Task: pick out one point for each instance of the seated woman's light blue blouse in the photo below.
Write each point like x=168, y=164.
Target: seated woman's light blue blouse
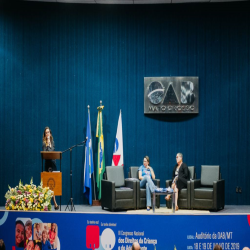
x=145, y=171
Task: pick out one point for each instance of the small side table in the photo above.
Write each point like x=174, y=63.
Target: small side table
x=165, y=193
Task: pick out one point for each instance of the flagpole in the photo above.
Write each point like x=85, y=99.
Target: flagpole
x=92, y=154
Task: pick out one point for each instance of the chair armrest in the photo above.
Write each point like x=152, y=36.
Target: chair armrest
x=131, y=183
x=219, y=194
x=135, y=185
x=219, y=183
x=168, y=183
x=104, y=176
x=108, y=193
x=129, y=175
x=195, y=184
x=188, y=194
x=108, y=184
x=157, y=182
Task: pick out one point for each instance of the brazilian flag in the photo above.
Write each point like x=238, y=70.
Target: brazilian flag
x=100, y=152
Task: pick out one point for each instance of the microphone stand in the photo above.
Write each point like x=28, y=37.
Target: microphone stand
x=71, y=196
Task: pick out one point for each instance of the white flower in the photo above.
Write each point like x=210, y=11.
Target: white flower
x=46, y=203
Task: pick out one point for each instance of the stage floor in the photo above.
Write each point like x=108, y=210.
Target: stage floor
x=229, y=209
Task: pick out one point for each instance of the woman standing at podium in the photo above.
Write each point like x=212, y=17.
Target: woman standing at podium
x=49, y=145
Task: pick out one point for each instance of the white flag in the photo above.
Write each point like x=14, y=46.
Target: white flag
x=118, y=149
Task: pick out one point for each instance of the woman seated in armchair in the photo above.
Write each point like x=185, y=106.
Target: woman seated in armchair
x=180, y=177
x=146, y=176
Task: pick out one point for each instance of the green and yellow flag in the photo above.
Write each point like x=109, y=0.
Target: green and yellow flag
x=100, y=152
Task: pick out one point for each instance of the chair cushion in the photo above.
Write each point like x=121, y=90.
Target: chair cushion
x=116, y=174
x=134, y=172
x=124, y=204
x=124, y=193
x=203, y=204
x=209, y=174
x=204, y=193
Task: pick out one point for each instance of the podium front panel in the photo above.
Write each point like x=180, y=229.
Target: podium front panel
x=53, y=180
x=51, y=155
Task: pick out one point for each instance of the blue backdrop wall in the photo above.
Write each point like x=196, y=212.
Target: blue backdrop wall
x=55, y=59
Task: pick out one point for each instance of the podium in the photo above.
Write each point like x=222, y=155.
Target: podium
x=53, y=180
x=52, y=155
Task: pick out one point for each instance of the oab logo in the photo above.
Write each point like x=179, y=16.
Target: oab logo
x=156, y=92
x=171, y=94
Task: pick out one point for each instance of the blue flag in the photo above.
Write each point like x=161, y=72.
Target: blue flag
x=88, y=164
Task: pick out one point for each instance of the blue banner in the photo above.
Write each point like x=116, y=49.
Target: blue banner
x=119, y=231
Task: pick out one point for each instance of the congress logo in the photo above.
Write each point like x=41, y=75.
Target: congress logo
x=171, y=95
x=105, y=241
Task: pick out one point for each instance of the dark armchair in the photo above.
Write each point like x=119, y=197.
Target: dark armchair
x=184, y=196
x=141, y=192
x=209, y=191
x=117, y=192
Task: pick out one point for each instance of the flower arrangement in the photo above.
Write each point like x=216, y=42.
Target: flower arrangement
x=29, y=197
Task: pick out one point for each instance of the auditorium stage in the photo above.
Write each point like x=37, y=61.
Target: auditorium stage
x=186, y=229
x=229, y=209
